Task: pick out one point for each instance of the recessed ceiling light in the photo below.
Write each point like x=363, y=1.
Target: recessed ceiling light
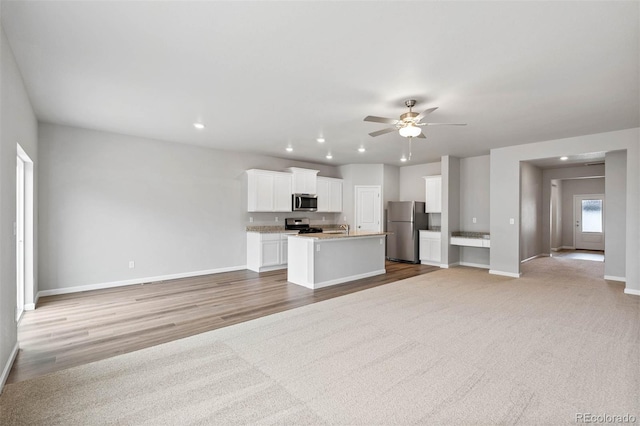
x=403, y=159
x=361, y=149
x=199, y=126
x=289, y=149
x=329, y=156
x=320, y=140
x=564, y=158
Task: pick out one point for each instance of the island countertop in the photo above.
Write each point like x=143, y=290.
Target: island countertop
x=335, y=235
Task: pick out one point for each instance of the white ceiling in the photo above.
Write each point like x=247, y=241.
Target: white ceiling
x=265, y=75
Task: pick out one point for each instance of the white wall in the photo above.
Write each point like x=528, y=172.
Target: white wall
x=556, y=214
x=474, y=202
x=412, y=186
x=391, y=184
x=615, y=214
x=17, y=125
x=354, y=175
x=106, y=199
x=505, y=192
x=530, y=211
x=571, y=187
x=450, y=209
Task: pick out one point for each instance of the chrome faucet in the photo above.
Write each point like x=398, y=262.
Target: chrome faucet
x=345, y=227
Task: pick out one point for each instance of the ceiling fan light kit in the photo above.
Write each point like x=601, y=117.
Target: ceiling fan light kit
x=410, y=131
x=408, y=125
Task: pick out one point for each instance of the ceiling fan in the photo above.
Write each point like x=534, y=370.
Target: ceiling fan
x=409, y=125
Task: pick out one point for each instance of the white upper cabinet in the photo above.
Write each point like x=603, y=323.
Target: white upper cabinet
x=268, y=191
x=433, y=200
x=329, y=191
x=304, y=180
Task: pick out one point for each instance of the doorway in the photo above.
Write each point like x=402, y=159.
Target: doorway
x=588, y=220
x=368, y=208
x=24, y=232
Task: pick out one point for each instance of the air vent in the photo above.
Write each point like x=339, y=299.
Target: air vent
x=595, y=163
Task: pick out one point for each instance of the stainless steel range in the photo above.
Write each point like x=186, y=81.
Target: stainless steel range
x=301, y=225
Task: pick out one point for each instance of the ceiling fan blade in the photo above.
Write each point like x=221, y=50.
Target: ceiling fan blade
x=421, y=136
x=425, y=112
x=383, y=131
x=445, y=124
x=380, y=119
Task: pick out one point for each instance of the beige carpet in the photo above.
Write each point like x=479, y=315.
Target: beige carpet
x=455, y=346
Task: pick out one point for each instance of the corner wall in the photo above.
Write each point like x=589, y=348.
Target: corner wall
x=17, y=125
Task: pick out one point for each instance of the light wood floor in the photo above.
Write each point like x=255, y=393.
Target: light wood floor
x=73, y=329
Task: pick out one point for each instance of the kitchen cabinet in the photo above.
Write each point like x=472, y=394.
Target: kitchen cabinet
x=329, y=191
x=430, y=248
x=304, y=181
x=268, y=191
x=433, y=196
x=267, y=251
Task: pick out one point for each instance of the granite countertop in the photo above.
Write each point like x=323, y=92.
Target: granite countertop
x=432, y=229
x=466, y=234
x=323, y=236
x=276, y=229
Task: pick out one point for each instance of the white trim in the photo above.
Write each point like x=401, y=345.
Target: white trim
x=100, y=286
x=29, y=306
x=612, y=278
x=450, y=265
x=534, y=257
x=567, y=248
x=430, y=263
x=474, y=265
x=632, y=291
x=7, y=367
x=345, y=279
x=505, y=274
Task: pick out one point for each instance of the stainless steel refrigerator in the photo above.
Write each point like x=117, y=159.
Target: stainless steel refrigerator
x=404, y=219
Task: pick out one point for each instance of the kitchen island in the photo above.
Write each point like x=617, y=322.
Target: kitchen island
x=324, y=259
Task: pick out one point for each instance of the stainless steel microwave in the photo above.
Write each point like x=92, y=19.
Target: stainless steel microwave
x=304, y=202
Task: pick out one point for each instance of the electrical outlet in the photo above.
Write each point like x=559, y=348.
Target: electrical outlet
x=276, y=218
x=323, y=218
x=474, y=220
x=251, y=219
x=345, y=218
x=512, y=221
x=132, y=264
x=318, y=247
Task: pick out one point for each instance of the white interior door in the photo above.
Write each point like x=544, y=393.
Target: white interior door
x=368, y=208
x=588, y=215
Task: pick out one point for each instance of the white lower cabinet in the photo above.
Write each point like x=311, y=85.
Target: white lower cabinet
x=430, y=248
x=267, y=251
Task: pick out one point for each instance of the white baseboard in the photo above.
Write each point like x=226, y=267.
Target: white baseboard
x=534, y=257
x=449, y=265
x=632, y=291
x=474, y=265
x=505, y=274
x=612, y=278
x=567, y=248
x=101, y=286
x=430, y=263
x=29, y=306
x=7, y=368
